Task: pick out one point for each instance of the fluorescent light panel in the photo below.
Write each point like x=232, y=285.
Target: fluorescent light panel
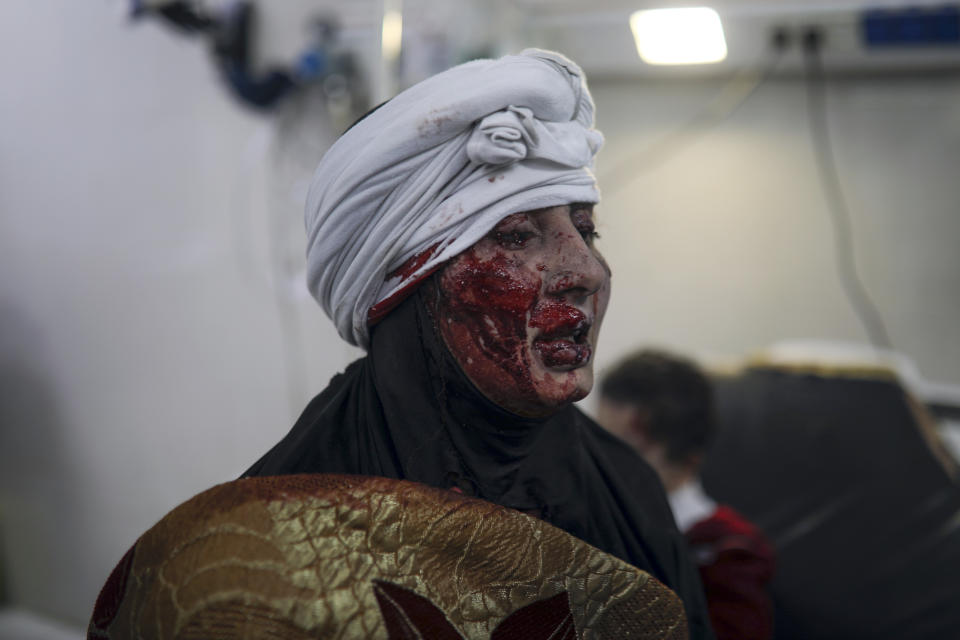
x=679, y=36
x=391, y=37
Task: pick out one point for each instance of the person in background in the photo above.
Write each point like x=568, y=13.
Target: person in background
x=662, y=406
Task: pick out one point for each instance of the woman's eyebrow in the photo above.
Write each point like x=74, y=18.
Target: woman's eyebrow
x=512, y=220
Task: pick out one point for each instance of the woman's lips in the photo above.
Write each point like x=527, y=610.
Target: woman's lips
x=561, y=336
x=562, y=354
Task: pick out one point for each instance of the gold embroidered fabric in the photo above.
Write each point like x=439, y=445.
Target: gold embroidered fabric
x=332, y=556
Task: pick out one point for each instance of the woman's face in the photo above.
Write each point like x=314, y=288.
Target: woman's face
x=521, y=309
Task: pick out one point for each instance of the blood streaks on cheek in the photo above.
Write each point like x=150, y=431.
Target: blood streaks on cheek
x=487, y=304
x=498, y=286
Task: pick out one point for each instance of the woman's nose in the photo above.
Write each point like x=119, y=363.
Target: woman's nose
x=574, y=268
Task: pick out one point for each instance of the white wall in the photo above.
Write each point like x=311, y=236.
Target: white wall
x=152, y=342
x=725, y=246
x=143, y=353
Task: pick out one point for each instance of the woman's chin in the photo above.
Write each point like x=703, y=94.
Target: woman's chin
x=556, y=388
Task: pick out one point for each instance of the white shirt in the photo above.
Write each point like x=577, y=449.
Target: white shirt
x=690, y=504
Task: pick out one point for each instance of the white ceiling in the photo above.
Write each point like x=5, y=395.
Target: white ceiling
x=596, y=34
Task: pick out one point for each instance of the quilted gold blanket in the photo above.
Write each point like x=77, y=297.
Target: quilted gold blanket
x=333, y=556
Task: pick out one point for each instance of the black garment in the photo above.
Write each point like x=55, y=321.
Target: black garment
x=408, y=411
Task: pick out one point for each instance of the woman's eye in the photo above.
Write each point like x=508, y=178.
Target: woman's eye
x=582, y=218
x=588, y=232
x=513, y=239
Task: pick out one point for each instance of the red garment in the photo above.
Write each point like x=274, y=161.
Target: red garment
x=736, y=565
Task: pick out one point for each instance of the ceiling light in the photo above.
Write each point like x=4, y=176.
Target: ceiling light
x=679, y=36
x=391, y=36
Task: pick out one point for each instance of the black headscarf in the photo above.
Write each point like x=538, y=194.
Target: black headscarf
x=407, y=411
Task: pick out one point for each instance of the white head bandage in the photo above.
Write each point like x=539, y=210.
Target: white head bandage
x=433, y=170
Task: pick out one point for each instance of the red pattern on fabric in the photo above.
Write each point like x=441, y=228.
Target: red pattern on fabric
x=548, y=619
x=410, y=616
x=108, y=602
x=736, y=566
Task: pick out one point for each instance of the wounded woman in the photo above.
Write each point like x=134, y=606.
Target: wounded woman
x=451, y=235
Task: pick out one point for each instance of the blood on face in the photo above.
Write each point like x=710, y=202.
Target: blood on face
x=520, y=310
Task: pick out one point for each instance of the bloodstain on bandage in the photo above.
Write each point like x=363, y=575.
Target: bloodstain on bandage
x=380, y=310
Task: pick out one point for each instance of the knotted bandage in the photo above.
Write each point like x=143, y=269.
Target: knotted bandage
x=429, y=173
